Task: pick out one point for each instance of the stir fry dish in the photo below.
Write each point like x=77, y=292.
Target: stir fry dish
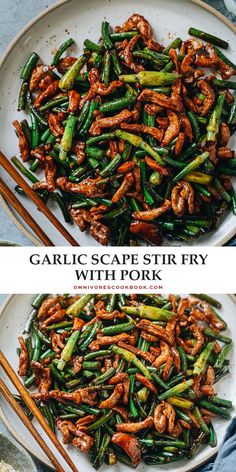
x=128, y=378
x=133, y=136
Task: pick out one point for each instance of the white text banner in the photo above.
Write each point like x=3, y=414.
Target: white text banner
x=123, y=269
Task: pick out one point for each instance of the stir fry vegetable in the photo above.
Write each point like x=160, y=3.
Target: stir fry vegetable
x=127, y=378
x=133, y=136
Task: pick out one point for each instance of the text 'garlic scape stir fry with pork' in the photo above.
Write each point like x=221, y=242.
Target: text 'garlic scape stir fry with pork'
x=128, y=378
x=133, y=136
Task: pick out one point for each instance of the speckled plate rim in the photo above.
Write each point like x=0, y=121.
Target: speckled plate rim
x=19, y=439
x=7, y=51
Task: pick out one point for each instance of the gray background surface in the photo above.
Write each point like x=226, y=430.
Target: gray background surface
x=14, y=14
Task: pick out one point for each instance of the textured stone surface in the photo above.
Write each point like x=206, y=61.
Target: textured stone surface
x=14, y=15
x=15, y=455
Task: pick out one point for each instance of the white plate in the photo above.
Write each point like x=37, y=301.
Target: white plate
x=12, y=320
x=81, y=20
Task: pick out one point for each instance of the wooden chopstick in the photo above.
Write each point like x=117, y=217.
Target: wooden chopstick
x=10, y=197
x=36, y=412
x=26, y=421
x=35, y=198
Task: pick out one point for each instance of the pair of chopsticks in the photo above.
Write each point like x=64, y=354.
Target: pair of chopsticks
x=7, y=193
x=37, y=414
